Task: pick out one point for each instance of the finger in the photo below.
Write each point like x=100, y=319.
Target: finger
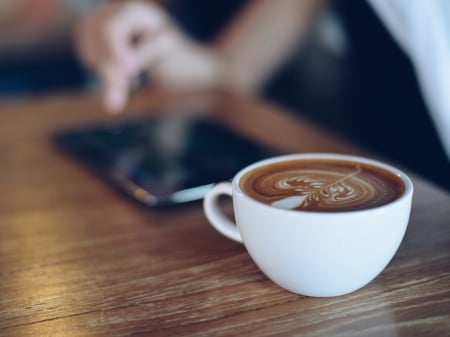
x=94, y=48
x=93, y=52
x=135, y=35
x=105, y=44
x=115, y=88
x=94, y=38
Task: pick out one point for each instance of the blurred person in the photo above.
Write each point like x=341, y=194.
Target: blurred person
x=125, y=38
x=122, y=39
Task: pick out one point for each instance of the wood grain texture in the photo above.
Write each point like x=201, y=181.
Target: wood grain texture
x=79, y=259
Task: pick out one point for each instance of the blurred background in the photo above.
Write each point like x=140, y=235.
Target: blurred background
x=348, y=74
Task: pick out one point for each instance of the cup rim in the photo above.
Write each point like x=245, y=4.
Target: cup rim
x=325, y=155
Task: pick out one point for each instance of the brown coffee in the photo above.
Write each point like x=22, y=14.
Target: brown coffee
x=322, y=185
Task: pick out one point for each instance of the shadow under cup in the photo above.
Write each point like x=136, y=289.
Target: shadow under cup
x=314, y=253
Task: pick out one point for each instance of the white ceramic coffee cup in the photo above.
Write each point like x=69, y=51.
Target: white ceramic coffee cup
x=314, y=253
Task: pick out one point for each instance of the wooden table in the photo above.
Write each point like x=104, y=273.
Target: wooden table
x=79, y=259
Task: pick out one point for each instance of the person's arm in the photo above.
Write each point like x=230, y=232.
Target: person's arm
x=124, y=38
x=261, y=37
x=422, y=29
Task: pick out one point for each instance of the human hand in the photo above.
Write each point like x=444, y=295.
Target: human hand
x=123, y=39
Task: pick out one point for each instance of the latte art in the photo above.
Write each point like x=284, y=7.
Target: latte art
x=324, y=188
x=322, y=185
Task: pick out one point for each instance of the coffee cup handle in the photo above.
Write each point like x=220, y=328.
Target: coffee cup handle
x=216, y=216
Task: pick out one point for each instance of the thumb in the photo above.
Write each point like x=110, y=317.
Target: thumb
x=152, y=50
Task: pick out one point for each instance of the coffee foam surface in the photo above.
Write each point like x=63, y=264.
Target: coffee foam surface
x=322, y=185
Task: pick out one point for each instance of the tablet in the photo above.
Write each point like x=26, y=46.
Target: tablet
x=161, y=161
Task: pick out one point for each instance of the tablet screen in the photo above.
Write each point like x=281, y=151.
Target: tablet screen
x=165, y=160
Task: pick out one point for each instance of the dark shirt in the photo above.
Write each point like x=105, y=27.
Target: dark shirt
x=370, y=96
